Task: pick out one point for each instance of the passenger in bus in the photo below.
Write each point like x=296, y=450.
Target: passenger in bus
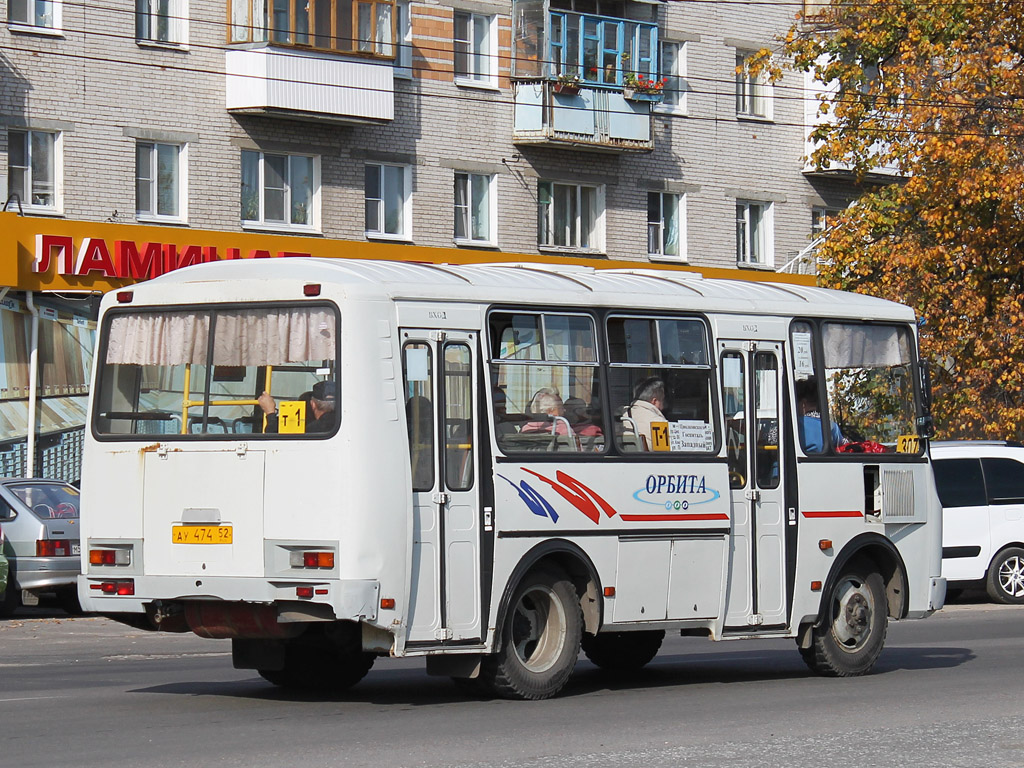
x=645, y=409
x=579, y=419
x=809, y=418
x=321, y=403
x=547, y=405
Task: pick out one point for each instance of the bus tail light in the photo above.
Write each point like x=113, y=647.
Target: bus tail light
x=311, y=289
x=311, y=559
x=125, y=297
x=53, y=548
x=110, y=557
x=306, y=592
x=123, y=587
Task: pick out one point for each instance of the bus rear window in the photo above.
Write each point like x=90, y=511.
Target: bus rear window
x=202, y=372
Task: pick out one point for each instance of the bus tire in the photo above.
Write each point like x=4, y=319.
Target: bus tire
x=540, y=638
x=1005, y=579
x=623, y=651
x=850, y=638
x=313, y=663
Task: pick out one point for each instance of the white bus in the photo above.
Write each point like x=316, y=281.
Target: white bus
x=516, y=461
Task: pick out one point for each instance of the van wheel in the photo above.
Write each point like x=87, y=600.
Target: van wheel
x=623, y=651
x=1005, y=580
x=540, y=638
x=851, y=637
x=316, y=662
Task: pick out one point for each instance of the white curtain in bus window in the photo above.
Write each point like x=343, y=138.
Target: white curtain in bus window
x=870, y=385
x=161, y=377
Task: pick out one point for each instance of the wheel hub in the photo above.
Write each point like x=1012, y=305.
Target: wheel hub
x=1011, y=576
x=852, y=624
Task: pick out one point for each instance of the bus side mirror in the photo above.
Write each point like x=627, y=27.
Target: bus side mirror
x=925, y=424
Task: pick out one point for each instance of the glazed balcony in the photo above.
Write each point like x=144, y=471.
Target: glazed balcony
x=312, y=58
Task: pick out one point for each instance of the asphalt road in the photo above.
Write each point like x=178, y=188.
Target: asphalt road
x=87, y=692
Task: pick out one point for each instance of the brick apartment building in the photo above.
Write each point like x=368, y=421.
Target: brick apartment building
x=493, y=130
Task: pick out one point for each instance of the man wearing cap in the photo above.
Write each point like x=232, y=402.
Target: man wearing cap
x=321, y=403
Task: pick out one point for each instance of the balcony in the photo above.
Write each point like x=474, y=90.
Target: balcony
x=594, y=119
x=298, y=82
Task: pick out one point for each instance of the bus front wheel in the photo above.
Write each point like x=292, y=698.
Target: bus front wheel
x=540, y=638
x=850, y=638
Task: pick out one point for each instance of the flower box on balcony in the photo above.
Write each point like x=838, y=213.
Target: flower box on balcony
x=564, y=88
x=632, y=94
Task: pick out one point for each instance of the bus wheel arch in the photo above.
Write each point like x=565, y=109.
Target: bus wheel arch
x=865, y=587
x=576, y=564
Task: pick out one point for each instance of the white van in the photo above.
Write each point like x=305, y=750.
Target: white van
x=981, y=486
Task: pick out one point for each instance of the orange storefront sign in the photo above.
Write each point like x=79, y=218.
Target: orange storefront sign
x=43, y=254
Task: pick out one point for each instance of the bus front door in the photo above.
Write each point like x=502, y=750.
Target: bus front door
x=752, y=397
x=440, y=392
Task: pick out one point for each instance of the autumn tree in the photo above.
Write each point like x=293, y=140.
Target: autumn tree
x=932, y=93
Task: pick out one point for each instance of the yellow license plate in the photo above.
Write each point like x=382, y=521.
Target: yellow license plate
x=201, y=534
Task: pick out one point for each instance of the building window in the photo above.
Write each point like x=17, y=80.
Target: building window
x=160, y=21
x=35, y=13
x=753, y=233
x=821, y=219
x=474, y=48
x=280, y=190
x=389, y=200
x=474, y=204
x=32, y=172
x=666, y=229
x=752, y=93
x=599, y=49
x=159, y=181
x=673, y=72
x=570, y=216
x=403, y=31
x=347, y=26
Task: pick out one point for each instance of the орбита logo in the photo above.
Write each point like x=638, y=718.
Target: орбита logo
x=676, y=494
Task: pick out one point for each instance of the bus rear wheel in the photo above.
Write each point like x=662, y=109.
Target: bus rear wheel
x=319, y=661
x=540, y=638
x=850, y=639
x=623, y=651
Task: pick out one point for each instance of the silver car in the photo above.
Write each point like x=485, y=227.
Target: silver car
x=40, y=524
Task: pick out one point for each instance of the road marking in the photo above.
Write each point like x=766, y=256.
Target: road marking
x=33, y=698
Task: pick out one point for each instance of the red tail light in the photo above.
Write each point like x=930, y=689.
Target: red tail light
x=120, y=587
x=53, y=548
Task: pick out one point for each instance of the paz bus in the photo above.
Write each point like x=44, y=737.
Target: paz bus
x=524, y=460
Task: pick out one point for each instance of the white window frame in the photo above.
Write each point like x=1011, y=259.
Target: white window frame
x=282, y=226
x=149, y=12
x=485, y=61
x=673, y=202
x=753, y=94
x=33, y=21
x=403, y=35
x=57, y=164
x=821, y=216
x=755, y=233
x=560, y=193
x=153, y=181
x=379, y=202
x=473, y=181
x=674, y=100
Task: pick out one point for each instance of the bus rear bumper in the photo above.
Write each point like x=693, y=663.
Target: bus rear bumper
x=352, y=599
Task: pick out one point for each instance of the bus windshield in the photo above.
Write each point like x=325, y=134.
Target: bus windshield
x=201, y=372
